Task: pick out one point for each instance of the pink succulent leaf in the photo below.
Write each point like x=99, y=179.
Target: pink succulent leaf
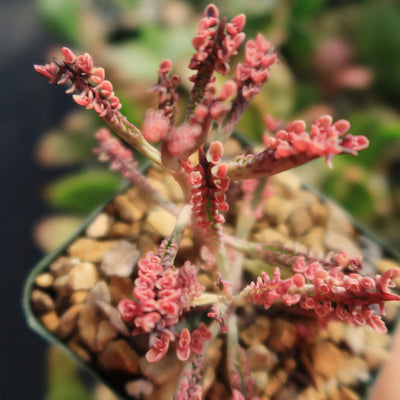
x=294, y=146
x=159, y=348
x=206, y=196
x=93, y=92
x=216, y=42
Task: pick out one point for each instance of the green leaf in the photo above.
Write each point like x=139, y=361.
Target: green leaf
x=83, y=191
x=62, y=17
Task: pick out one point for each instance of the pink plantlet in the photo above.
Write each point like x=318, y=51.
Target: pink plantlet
x=168, y=305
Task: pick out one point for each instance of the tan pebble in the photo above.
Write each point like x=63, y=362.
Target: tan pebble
x=276, y=209
x=120, y=260
x=161, y=371
x=335, y=331
x=319, y=213
x=100, y=226
x=348, y=394
x=102, y=392
x=206, y=281
x=165, y=391
x=42, y=302
x=83, y=276
x=88, y=322
x=119, y=356
x=79, y=351
x=352, y=370
x=355, y=338
x=326, y=358
x=275, y=382
x=146, y=244
x=283, y=335
x=283, y=230
x=257, y=332
x=260, y=379
x=62, y=285
x=139, y=388
x=105, y=333
x=305, y=199
x=79, y=297
x=44, y=280
x=186, y=248
x=338, y=221
x=300, y=222
x=160, y=186
x=289, y=365
x=61, y=266
x=99, y=292
x=208, y=378
x=375, y=356
x=337, y=242
x=127, y=210
x=258, y=357
x=68, y=321
x=161, y=221
x=232, y=148
x=125, y=230
x=269, y=235
x=289, y=183
x=120, y=288
x=50, y=321
x=90, y=250
x=175, y=193
x=314, y=238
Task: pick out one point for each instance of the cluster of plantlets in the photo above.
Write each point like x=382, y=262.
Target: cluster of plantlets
x=328, y=287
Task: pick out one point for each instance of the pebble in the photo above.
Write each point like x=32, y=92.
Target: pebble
x=90, y=250
x=42, y=302
x=83, y=276
x=105, y=333
x=352, y=370
x=161, y=221
x=139, y=388
x=314, y=238
x=44, y=280
x=288, y=182
x=114, y=317
x=336, y=242
x=375, y=356
x=68, y=321
x=127, y=210
x=119, y=356
x=258, y=357
x=260, y=379
x=62, y=285
x=100, y=226
x=120, y=260
x=276, y=209
x=161, y=371
x=326, y=358
x=338, y=221
x=269, y=235
x=83, y=354
x=88, y=322
x=257, y=332
x=319, y=213
x=79, y=297
x=120, y=288
x=275, y=382
x=61, y=266
x=124, y=230
x=100, y=292
x=300, y=221
x=283, y=335
x=50, y=321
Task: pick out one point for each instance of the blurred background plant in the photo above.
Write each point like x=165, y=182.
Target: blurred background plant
x=340, y=57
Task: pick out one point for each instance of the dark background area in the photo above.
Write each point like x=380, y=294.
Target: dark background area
x=27, y=108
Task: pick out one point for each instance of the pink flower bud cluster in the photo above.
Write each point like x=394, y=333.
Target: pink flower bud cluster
x=161, y=295
x=329, y=293
x=219, y=316
x=324, y=139
x=217, y=41
x=253, y=73
x=208, y=183
x=94, y=91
